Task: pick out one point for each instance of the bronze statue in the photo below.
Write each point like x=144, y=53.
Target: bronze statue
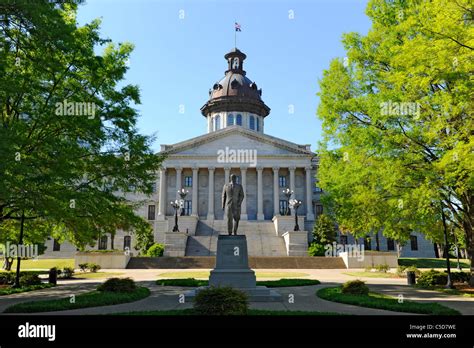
x=232, y=197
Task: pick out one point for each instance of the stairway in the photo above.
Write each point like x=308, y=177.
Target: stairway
x=261, y=238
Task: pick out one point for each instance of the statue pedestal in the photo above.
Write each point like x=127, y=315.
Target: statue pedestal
x=232, y=269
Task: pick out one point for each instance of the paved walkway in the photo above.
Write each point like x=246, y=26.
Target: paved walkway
x=167, y=297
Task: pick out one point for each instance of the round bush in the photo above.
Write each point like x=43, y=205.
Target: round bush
x=432, y=278
x=221, y=301
x=156, y=250
x=29, y=279
x=316, y=249
x=355, y=287
x=118, y=285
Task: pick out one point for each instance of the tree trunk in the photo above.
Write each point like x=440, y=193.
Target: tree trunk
x=112, y=238
x=18, y=260
x=377, y=242
x=7, y=263
x=436, y=250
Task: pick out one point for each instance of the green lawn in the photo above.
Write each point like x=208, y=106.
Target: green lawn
x=372, y=274
x=9, y=290
x=191, y=282
x=205, y=274
x=379, y=301
x=432, y=263
x=90, y=299
x=44, y=264
x=92, y=275
x=190, y=311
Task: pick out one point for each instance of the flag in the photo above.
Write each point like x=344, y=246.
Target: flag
x=237, y=27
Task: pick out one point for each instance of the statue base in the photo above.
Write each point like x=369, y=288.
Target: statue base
x=232, y=270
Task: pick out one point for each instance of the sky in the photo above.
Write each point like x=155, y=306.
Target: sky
x=180, y=47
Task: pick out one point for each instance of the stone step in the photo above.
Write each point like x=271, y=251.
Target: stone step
x=256, y=262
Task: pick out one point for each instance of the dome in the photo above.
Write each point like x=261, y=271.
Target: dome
x=235, y=91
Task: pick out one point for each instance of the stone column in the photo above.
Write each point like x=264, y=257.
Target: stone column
x=178, y=181
x=292, y=183
x=276, y=192
x=162, y=202
x=226, y=180
x=210, y=210
x=309, y=195
x=243, y=212
x=260, y=215
x=195, y=192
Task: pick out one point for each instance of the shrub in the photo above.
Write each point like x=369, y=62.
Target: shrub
x=118, y=285
x=382, y=268
x=316, y=249
x=7, y=278
x=93, y=267
x=432, y=278
x=156, y=250
x=355, y=287
x=67, y=272
x=460, y=277
x=221, y=301
x=368, y=269
x=29, y=279
x=83, y=267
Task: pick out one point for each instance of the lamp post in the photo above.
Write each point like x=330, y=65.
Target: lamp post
x=177, y=205
x=295, y=204
x=288, y=194
x=182, y=194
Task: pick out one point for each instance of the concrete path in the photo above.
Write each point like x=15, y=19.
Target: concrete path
x=166, y=298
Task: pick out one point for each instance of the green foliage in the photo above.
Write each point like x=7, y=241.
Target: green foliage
x=90, y=299
x=431, y=262
x=156, y=250
x=191, y=282
x=432, y=278
x=316, y=249
x=10, y=290
x=398, y=143
x=382, y=268
x=93, y=267
x=221, y=301
x=29, y=279
x=67, y=273
x=118, y=285
x=355, y=287
x=373, y=300
x=324, y=230
x=402, y=270
x=84, y=267
x=185, y=282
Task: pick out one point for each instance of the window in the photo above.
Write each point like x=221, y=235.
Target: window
x=127, y=243
x=343, y=240
x=258, y=124
x=103, y=243
x=187, y=207
x=252, y=122
x=390, y=244
x=151, y=212
x=188, y=181
x=414, y=242
x=283, y=206
x=153, y=187
x=282, y=181
x=217, y=122
x=239, y=119
x=319, y=209
x=230, y=120
x=56, y=245
x=368, y=243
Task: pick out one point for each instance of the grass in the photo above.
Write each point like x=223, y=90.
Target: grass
x=372, y=274
x=379, y=301
x=90, y=299
x=44, y=264
x=9, y=290
x=92, y=275
x=190, y=311
x=454, y=292
x=432, y=262
x=205, y=274
x=191, y=282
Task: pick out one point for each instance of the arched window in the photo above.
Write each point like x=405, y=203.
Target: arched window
x=239, y=119
x=252, y=122
x=230, y=120
x=258, y=124
x=127, y=243
x=103, y=243
x=217, y=122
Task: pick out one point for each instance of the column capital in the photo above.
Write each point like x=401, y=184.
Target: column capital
x=227, y=168
x=211, y=168
x=178, y=169
x=276, y=169
x=307, y=168
x=259, y=168
x=292, y=167
x=195, y=167
x=243, y=169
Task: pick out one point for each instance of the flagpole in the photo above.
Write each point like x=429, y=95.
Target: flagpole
x=235, y=34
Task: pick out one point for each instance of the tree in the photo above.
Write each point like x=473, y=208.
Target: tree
x=397, y=122
x=69, y=141
x=324, y=230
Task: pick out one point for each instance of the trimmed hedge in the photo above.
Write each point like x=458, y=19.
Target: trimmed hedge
x=221, y=301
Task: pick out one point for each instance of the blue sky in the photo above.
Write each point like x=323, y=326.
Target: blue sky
x=176, y=60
